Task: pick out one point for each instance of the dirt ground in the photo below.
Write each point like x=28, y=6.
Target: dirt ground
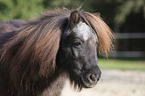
x=113, y=83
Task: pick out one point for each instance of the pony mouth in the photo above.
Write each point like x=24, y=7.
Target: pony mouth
x=88, y=83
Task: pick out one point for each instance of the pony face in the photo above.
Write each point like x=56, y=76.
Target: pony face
x=78, y=53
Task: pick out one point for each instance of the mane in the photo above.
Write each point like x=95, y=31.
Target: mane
x=102, y=30
x=31, y=53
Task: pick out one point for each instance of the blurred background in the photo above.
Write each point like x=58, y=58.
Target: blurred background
x=126, y=18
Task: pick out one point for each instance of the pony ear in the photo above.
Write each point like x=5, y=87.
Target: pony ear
x=97, y=14
x=74, y=18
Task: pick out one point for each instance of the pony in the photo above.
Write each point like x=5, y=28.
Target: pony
x=37, y=56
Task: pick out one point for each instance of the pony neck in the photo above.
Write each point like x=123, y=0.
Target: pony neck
x=56, y=82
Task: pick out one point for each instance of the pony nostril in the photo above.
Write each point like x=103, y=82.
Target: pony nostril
x=92, y=77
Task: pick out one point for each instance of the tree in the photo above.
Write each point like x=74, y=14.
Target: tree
x=127, y=7
x=15, y=9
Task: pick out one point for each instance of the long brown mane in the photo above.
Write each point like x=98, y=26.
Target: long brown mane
x=31, y=53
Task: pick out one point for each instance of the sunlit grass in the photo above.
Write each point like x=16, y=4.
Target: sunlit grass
x=121, y=64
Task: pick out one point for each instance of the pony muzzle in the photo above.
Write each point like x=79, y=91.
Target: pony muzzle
x=91, y=77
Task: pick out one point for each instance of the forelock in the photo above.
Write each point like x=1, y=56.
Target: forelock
x=83, y=31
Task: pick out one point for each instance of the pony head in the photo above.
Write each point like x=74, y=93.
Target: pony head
x=84, y=33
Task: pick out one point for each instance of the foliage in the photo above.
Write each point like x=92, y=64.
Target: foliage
x=115, y=11
x=127, y=7
x=15, y=9
x=24, y=9
x=65, y=3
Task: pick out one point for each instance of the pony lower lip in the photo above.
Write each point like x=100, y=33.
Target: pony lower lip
x=87, y=84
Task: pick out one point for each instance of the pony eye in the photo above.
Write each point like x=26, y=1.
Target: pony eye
x=77, y=43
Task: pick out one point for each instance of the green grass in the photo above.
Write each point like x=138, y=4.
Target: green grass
x=121, y=64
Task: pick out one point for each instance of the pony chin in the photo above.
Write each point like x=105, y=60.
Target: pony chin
x=76, y=85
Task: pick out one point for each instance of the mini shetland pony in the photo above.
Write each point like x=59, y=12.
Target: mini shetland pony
x=38, y=55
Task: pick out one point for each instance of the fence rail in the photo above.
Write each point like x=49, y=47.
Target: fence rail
x=128, y=54
x=120, y=36
x=129, y=35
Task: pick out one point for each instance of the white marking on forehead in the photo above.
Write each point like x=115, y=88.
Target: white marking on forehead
x=84, y=31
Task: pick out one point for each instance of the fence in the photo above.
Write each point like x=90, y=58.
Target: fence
x=121, y=36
